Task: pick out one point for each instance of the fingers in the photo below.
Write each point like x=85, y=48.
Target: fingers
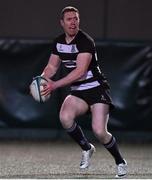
x=45, y=92
x=46, y=89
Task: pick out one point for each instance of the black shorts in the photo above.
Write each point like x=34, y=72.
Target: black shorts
x=94, y=95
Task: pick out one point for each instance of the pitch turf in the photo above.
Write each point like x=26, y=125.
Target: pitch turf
x=60, y=160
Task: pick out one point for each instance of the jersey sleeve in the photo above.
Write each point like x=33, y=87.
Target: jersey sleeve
x=54, y=49
x=86, y=45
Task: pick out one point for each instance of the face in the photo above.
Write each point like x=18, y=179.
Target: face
x=70, y=23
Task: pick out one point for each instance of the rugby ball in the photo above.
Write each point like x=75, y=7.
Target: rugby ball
x=36, y=88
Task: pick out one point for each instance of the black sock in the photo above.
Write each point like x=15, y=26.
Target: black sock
x=76, y=133
x=112, y=147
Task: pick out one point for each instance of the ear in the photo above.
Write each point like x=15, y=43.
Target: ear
x=61, y=22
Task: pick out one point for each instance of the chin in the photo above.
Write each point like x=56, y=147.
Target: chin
x=73, y=33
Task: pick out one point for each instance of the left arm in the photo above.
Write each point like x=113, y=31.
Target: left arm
x=82, y=64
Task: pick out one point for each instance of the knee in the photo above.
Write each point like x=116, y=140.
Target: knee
x=101, y=133
x=66, y=119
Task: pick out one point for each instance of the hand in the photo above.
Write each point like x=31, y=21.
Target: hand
x=48, y=87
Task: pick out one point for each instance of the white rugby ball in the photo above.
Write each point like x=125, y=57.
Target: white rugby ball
x=36, y=88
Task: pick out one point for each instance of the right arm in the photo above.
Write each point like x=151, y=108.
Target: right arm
x=52, y=66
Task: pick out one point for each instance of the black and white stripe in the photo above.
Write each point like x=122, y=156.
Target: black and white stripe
x=67, y=48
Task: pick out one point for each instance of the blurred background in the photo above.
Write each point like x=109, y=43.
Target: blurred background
x=123, y=35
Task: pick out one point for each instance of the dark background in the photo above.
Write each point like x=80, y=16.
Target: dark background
x=102, y=19
x=123, y=33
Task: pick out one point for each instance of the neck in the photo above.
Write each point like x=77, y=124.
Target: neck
x=69, y=38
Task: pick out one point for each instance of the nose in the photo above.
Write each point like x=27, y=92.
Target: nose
x=73, y=21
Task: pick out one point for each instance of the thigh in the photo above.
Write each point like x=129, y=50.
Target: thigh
x=74, y=106
x=100, y=115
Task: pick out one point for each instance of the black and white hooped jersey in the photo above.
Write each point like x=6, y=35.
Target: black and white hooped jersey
x=68, y=54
